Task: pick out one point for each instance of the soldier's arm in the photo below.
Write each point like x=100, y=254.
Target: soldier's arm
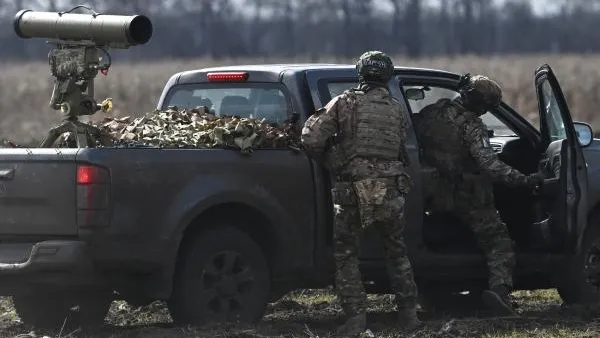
x=320, y=127
x=404, y=135
x=477, y=140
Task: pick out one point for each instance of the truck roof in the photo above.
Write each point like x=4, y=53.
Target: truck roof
x=273, y=72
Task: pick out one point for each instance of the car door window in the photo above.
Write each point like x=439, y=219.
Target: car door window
x=552, y=113
x=433, y=94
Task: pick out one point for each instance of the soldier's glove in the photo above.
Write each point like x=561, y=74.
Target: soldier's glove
x=536, y=182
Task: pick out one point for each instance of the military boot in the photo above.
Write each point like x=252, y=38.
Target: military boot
x=498, y=299
x=407, y=318
x=353, y=327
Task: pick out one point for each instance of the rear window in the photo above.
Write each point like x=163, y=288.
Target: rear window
x=337, y=88
x=256, y=100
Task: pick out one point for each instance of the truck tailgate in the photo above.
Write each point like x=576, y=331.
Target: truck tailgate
x=38, y=192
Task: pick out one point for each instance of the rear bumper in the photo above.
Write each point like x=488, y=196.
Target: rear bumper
x=46, y=256
x=48, y=265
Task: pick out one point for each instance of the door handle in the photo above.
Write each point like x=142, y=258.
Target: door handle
x=7, y=174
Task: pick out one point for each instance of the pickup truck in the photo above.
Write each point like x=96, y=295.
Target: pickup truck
x=217, y=234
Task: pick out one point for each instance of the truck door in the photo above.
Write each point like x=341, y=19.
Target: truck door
x=563, y=159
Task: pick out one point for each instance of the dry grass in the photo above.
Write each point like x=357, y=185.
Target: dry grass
x=135, y=87
x=316, y=313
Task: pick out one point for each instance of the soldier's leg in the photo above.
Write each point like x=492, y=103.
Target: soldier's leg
x=391, y=225
x=475, y=206
x=494, y=240
x=349, y=287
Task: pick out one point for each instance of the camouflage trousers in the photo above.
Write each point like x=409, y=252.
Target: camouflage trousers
x=472, y=201
x=351, y=217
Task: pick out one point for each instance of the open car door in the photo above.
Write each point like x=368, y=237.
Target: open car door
x=562, y=161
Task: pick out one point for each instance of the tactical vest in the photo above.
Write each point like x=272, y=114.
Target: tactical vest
x=375, y=126
x=441, y=139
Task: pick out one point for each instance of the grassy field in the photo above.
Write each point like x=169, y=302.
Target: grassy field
x=315, y=313
x=135, y=87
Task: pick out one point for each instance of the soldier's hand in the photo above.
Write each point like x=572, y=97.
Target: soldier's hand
x=536, y=182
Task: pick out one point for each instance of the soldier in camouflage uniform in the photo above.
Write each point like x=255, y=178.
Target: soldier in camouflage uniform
x=360, y=135
x=455, y=141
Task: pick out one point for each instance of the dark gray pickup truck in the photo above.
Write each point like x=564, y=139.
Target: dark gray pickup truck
x=218, y=234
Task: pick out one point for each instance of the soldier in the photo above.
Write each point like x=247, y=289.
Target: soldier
x=455, y=141
x=360, y=134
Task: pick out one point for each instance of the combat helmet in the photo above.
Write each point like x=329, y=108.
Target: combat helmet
x=479, y=92
x=375, y=66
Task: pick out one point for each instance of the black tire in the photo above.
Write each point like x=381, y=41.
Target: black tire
x=211, y=261
x=44, y=311
x=579, y=282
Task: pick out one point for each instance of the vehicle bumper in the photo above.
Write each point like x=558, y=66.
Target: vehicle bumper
x=47, y=265
x=46, y=256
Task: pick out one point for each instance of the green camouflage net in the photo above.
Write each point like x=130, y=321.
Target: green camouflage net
x=193, y=128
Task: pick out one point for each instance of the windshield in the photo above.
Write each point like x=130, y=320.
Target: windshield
x=254, y=100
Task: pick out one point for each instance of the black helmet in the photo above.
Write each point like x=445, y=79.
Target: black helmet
x=375, y=66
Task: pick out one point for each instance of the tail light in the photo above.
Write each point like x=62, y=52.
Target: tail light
x=228, y=77
x=93, y=196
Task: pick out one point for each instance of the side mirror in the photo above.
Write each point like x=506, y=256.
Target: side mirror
x=490, y=133
x=415, y=94
x=585, y=135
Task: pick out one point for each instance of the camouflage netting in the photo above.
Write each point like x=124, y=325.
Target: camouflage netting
x=193, y=128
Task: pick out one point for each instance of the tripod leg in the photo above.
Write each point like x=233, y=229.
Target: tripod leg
x=54, y=133
x=86, y=134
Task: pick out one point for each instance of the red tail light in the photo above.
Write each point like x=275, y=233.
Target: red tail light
x=87, y=174
x=227, y=77
x=93, y=196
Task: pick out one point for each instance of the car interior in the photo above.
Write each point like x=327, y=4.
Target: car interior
x=524, y=212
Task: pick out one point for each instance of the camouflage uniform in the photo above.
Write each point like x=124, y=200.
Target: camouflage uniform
x=454, y=140
x=367, y=160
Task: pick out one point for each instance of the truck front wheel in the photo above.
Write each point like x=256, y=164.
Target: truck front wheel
x=222, y=276
x=579, y=282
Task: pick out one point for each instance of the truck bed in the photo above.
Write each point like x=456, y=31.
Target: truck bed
x=152, y=195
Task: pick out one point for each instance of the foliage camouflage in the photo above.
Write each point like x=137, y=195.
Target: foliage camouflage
x=193, y=128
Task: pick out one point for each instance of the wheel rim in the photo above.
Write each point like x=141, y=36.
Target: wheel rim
x=592, y=265
x=227, y=282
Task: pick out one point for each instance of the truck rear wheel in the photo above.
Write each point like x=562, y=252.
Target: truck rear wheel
x=579, y=282
x=222, y=276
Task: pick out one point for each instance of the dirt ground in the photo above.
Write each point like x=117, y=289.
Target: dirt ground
x=315, y=313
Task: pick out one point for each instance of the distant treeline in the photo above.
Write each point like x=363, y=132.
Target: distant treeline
x=310, y=28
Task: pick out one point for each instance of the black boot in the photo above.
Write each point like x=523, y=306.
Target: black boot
x=353, y=327
x=498, y=299
x=407, y=318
